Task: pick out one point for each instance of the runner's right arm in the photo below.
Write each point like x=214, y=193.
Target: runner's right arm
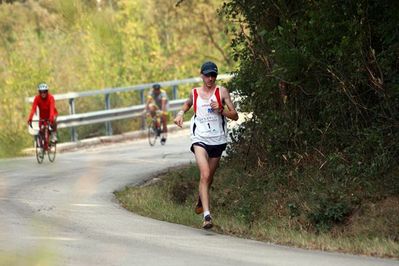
x=186, y=106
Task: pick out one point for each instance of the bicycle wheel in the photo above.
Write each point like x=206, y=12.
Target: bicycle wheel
x=52, y=150
x=39, y=148
x=152, y=132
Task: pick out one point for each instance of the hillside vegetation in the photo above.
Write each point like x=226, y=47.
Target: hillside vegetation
x=85, y=45
x=322, y=81
x=317, y=165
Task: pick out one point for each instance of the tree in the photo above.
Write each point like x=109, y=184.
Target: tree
x=338, y=61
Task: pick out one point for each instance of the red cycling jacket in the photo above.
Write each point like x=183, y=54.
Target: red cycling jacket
x=46, y=106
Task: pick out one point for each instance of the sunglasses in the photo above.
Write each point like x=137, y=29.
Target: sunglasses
x=42, y=92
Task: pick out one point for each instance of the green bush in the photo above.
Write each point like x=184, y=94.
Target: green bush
x=339, y=109
x=328, y=213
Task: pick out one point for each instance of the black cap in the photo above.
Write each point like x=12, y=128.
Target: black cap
x=209, y=67
x=156, y=86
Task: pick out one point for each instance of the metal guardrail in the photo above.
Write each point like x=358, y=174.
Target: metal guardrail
x=73, y=119
x=140, y=87
x=109, y=115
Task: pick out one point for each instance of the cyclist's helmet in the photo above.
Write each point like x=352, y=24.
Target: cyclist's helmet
x=156, y=86
x=42, y=87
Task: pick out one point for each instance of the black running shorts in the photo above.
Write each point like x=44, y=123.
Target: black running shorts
x=214, y=151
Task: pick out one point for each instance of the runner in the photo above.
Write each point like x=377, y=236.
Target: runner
x=208, y=131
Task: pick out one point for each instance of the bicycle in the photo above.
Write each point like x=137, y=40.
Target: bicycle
x=43, y=144
x=155, y=128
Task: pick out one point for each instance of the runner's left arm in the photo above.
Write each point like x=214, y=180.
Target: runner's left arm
x=230, y=111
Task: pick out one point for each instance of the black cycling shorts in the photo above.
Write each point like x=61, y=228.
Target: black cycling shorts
x=214, y=151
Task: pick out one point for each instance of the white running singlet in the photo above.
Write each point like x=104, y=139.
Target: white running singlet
x=206, y=125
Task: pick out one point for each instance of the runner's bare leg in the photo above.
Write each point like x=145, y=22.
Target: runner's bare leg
x=207, y=167
x=213, y=165
x=201, y=157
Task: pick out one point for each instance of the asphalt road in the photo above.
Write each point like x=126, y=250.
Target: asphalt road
x=65, y=213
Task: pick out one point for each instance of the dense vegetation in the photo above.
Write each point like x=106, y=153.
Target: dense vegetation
x=322, y=81
x=90, y=44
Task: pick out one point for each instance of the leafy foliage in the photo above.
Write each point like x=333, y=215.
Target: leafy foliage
x=321, y=79
x=84, y=45
x=336, y=64
x=329, y=213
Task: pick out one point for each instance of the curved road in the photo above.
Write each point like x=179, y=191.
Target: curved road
x=65, y=214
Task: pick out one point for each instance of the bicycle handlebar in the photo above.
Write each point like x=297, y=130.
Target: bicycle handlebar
x=39, y=120
x=157, y=112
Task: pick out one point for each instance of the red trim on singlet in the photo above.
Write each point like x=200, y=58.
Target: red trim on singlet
x=217, y=94
x=195, y=100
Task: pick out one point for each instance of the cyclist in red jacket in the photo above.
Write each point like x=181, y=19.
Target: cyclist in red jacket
x=47, y=111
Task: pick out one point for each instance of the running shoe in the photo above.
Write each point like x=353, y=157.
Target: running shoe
x=163, y=140
x=198, y=208
x=207, y=222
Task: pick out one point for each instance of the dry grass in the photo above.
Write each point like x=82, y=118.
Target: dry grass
x=367, y=232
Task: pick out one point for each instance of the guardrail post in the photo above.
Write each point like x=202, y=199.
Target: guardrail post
x=108, y=125
x=175, y=94
x=142, y=101
x=74, y=134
